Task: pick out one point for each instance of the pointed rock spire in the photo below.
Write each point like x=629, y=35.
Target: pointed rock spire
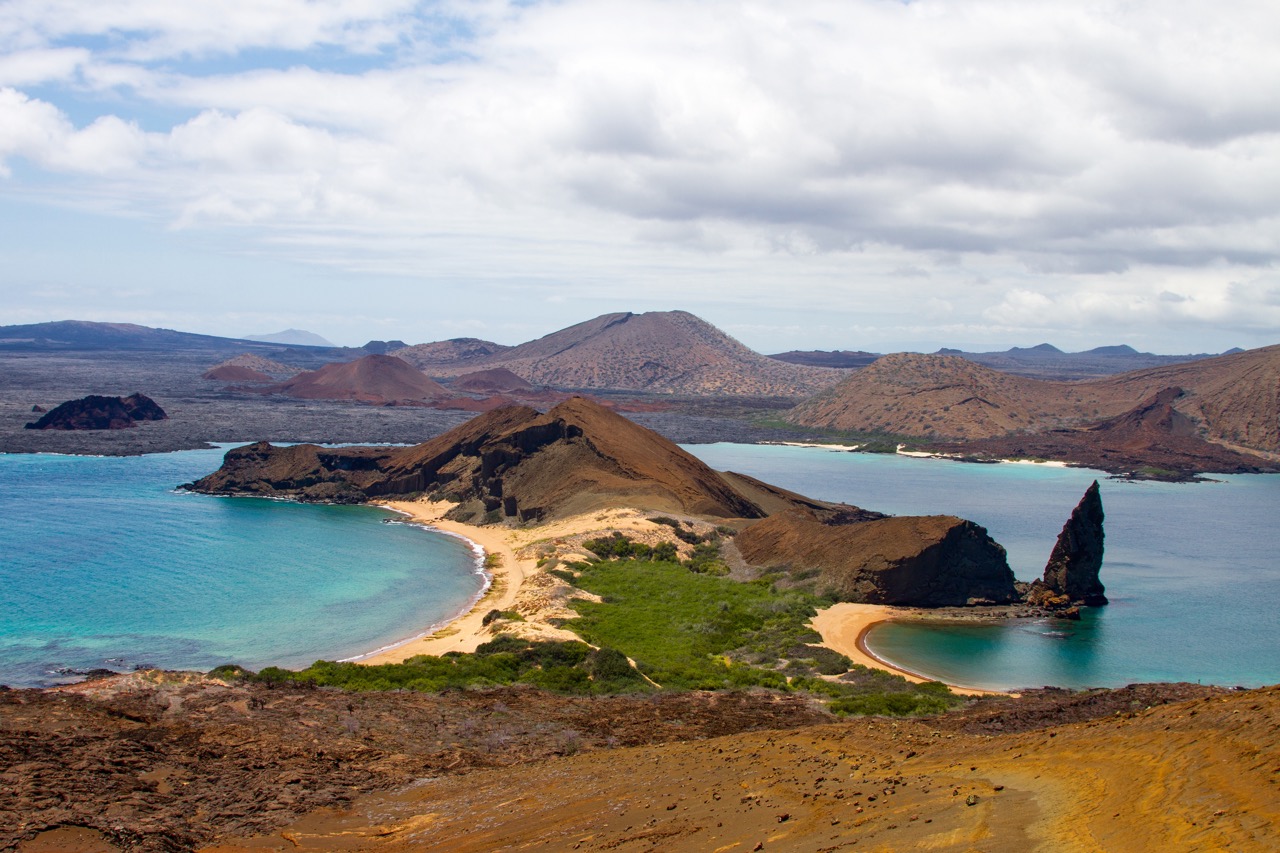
x=1073, y=566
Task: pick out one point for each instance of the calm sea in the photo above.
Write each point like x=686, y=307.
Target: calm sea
x=1192, y=570
x=103, y=564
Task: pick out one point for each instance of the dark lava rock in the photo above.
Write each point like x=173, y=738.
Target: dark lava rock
x=1073, y=567
x=38, y=409
x=96, y=412
x=921, y=561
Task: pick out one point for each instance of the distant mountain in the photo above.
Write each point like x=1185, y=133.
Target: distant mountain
x=819, y=358
x=1046, y=361
x=1233, y=399
x=667, y=352
x=293, y=337
x=448, y=353
x=943, y=395
x=383, y=347
x=85, y=335
x=372, y=379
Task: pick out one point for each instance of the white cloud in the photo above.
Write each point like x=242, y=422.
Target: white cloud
x=152, y=29
x=1072, y=159
x=33, y=67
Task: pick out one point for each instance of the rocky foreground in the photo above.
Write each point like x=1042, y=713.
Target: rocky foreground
x=173, y=762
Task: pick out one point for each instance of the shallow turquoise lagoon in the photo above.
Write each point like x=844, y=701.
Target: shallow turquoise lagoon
x=104, y=564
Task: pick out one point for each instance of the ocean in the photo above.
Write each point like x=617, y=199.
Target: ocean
x=106, y=565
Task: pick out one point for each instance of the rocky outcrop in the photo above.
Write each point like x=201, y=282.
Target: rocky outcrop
x=511, y=463
x=1073, y=567
x=97, y=412
x=923, y=561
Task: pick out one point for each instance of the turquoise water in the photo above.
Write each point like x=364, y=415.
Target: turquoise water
x=105, y=565
x=1192, y=570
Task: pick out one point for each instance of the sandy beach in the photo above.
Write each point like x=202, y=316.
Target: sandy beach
x=518, y=584
x=844, y=628
x=507, y=573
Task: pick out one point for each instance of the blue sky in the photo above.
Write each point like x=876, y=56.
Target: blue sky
x=853, y=174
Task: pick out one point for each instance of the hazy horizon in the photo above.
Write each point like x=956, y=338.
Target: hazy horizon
x=863, y=175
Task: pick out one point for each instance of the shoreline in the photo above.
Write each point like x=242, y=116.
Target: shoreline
x=844, y=628
x=466, y=630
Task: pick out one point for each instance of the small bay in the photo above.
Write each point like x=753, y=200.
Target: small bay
x=1192, y=569
x=106, y=565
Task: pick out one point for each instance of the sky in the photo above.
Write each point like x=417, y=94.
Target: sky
x=855, y=174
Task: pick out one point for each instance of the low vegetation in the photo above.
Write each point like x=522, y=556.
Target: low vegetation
x=684, y=626
x=564, y=667
x=692, y=631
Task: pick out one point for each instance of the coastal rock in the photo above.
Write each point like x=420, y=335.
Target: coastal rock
x=1074, y=564
x=97, y=412
x=922, y=561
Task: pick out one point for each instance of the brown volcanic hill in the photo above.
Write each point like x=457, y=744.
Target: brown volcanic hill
x=372, y=379
x=497, y=380
x=235, y=373
x=923, y=395
x=448, y=353
x=512, y=462
x=1153, y=437
x=261, y=365
x=925, y=561
x=667, y=352
x=1233, y=398
x=580, y=457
